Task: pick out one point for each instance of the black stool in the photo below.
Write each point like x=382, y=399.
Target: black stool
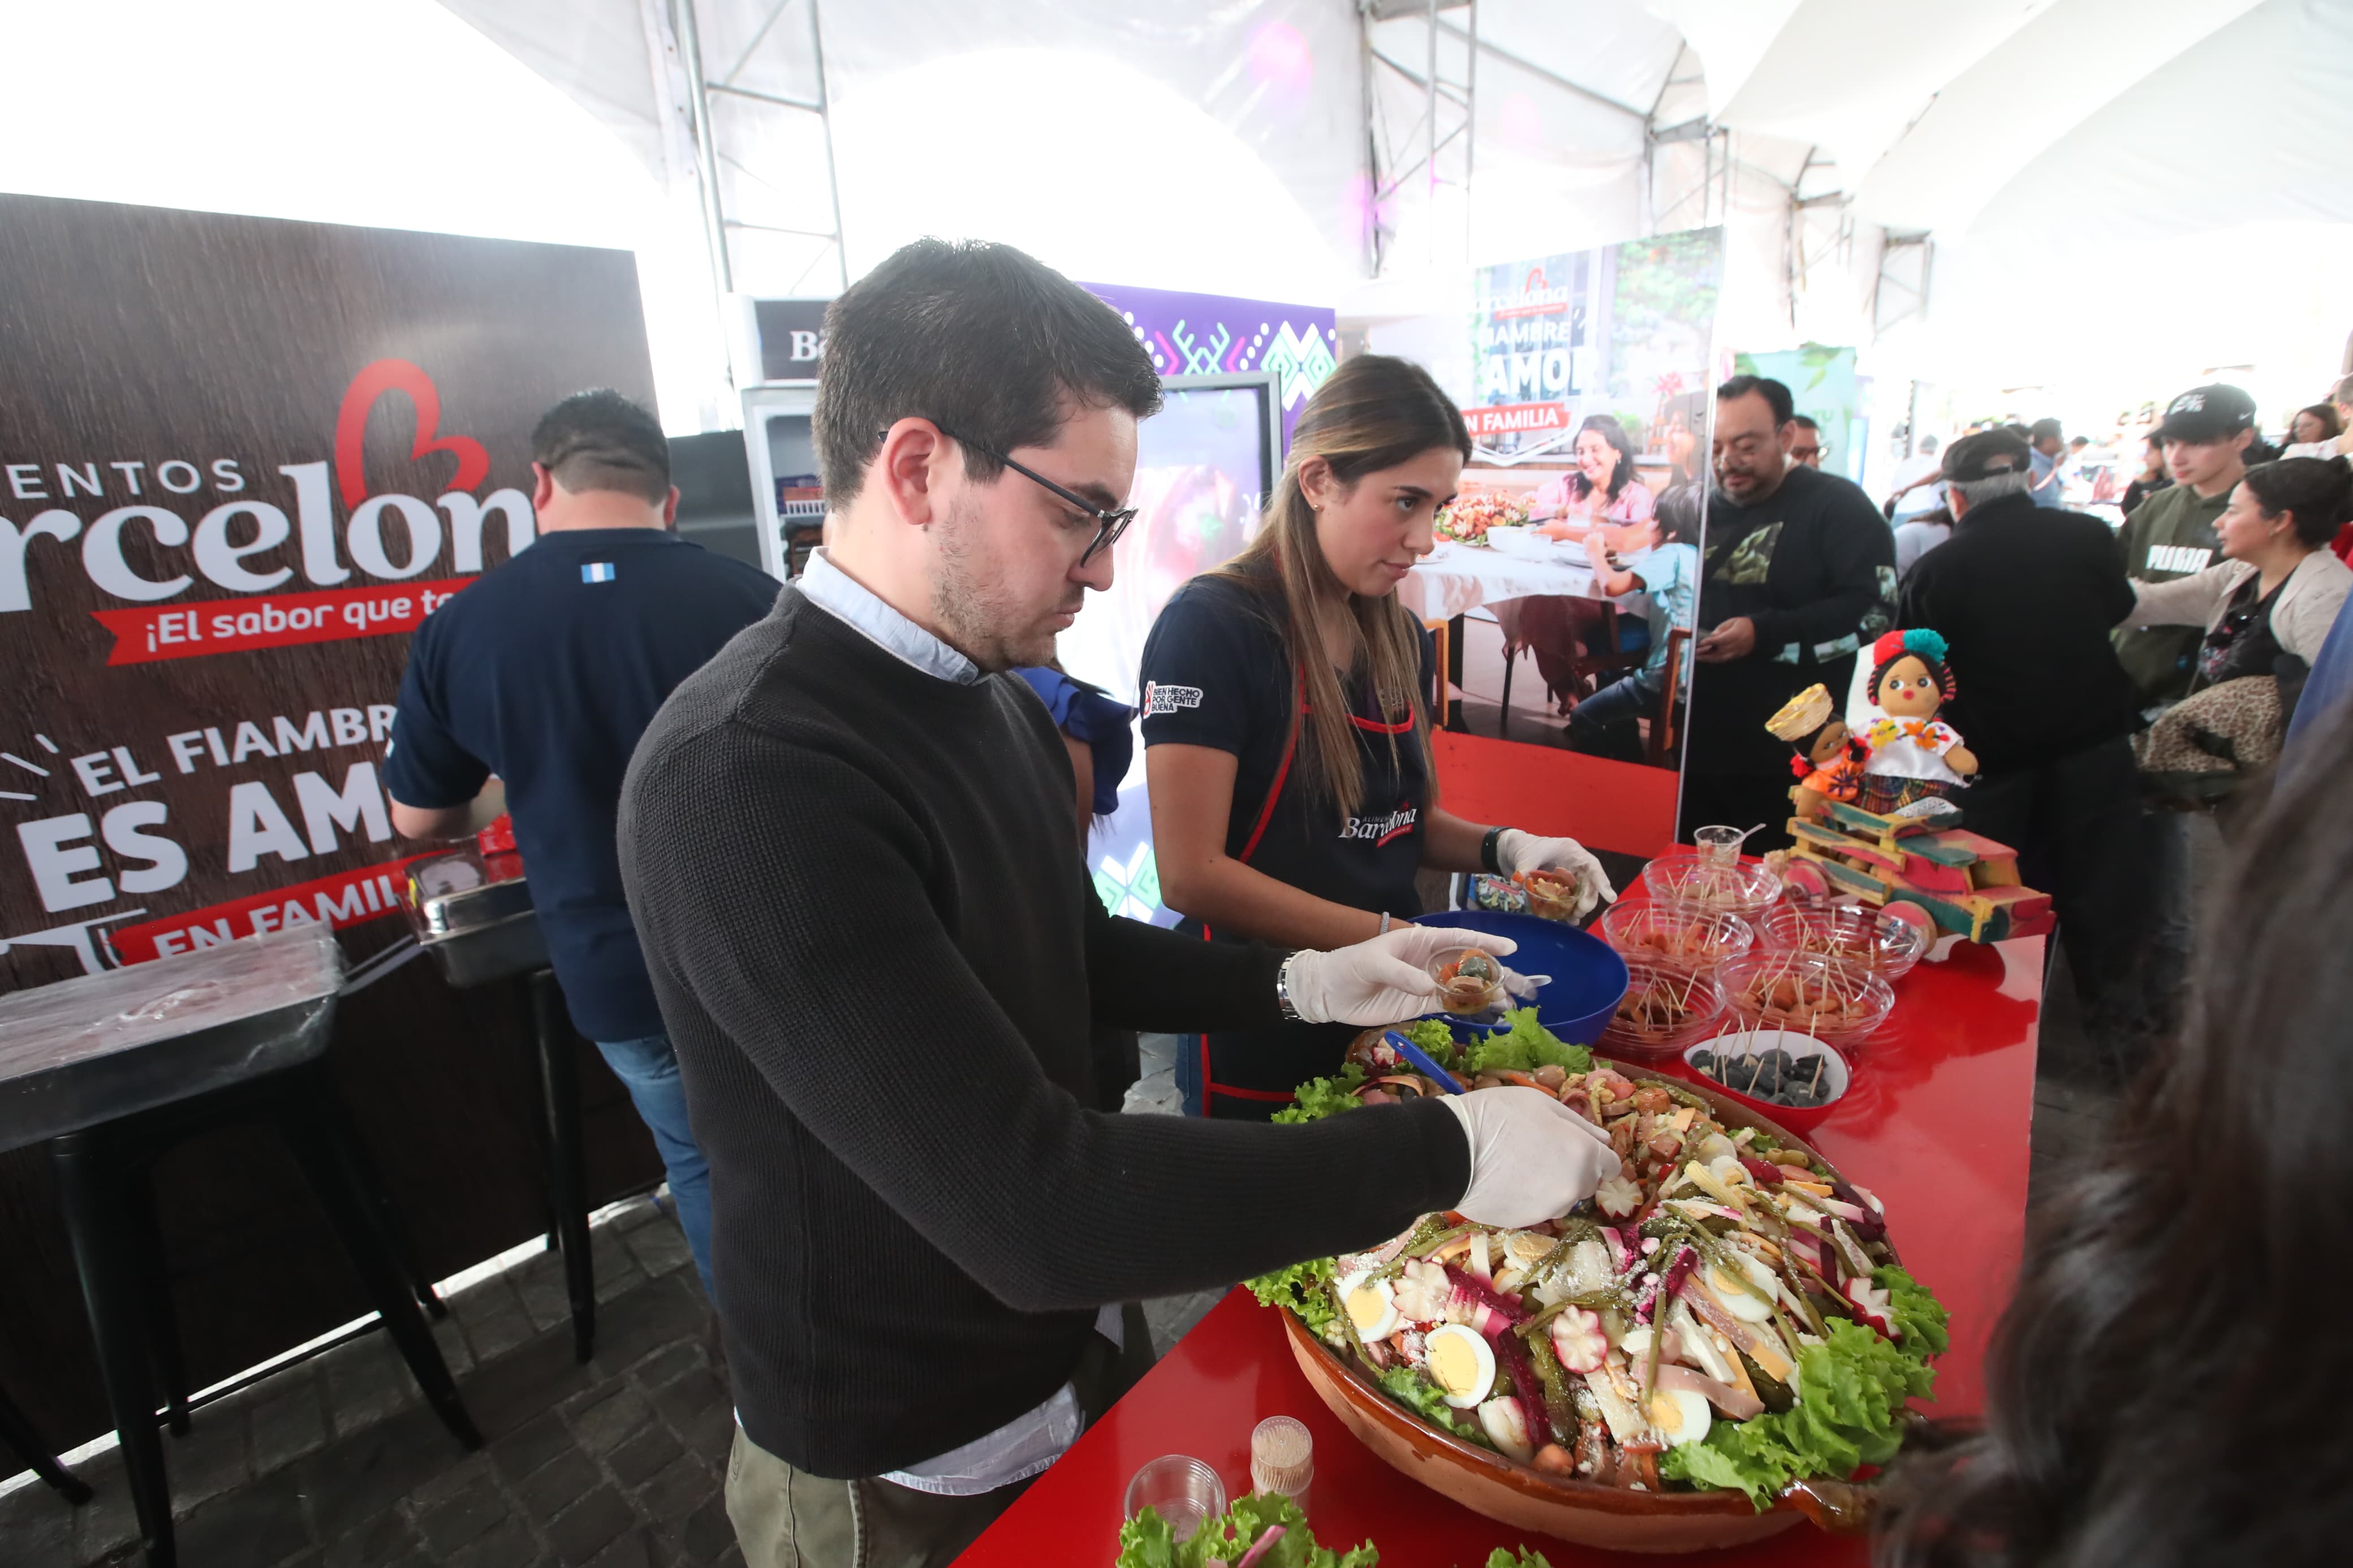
x=473, y=914
x=18, y=1433
x=103, y=1186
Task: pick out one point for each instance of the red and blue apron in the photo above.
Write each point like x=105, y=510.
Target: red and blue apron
x=1365, y=859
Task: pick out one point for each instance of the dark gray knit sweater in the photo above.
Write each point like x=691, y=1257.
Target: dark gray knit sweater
x=880, y=959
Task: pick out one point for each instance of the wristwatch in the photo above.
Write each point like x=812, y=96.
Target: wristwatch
x=1487, y=851
x=1282, y=1001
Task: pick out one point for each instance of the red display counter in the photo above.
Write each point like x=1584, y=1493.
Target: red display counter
x=1937, y=1125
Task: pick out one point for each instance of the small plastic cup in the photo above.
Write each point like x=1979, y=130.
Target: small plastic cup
x=1718, y=846
x=1181, y=1490
x=1552, y=895
x=1470, y=981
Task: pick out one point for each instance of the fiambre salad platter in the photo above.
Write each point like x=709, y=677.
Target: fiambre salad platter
x=1704, y=1353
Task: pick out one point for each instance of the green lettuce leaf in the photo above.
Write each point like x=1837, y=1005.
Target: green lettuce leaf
x=1146, y=1540
x=1435, y=1039
x=1853, y=1388
x=1321, y=1097
x=1304, y=1287
x=1917, y=1314
x=1526, y=1557
x=1526, y=1046
x=1417, y=1394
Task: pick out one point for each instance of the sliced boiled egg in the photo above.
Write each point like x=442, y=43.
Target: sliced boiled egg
x=1462, y=1363
x=1681, y=1415
x=1737, y=1300
x=1372, y=1306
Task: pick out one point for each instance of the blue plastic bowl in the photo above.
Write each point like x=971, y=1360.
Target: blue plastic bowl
x=1588, y=978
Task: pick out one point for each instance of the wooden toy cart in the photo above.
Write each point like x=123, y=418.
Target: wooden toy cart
x=1963, y=882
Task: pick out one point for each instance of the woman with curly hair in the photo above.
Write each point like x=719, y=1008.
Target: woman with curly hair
x=2166, y=1388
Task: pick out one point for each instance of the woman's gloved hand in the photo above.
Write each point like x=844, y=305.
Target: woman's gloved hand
x=1532, y=1158
x=1516, y=852
x=1382, y=979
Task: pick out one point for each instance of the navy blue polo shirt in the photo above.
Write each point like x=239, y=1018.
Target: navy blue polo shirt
x=545, y=671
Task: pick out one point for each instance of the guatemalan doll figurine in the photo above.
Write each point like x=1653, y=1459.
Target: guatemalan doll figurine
x=1916, y=759
x=1827, y=760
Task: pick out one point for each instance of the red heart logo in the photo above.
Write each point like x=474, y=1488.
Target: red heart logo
x=351, y=429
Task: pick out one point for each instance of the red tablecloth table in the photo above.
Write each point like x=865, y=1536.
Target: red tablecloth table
x=1937, y=1125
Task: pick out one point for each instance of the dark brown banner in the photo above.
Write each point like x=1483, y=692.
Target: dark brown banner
x=241, y=460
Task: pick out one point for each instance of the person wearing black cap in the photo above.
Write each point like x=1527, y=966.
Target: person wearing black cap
x=2206, y=432
x=2025, y=598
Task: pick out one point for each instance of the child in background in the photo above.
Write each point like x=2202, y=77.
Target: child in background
x=1666, y=567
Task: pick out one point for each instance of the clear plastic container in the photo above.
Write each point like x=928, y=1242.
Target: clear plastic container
x=1283, y=1458
x=1887, y=944
x=1744, y=887
x=1470, y=981
x=1552, y=895
x=1686, y=933
x=1806, y=993
x=1666, y=1007
x=1180, y=1489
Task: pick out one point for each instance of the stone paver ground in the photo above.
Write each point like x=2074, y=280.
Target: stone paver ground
x=337, y=1462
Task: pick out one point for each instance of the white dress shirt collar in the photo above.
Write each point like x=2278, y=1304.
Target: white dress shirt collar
x=840, y=595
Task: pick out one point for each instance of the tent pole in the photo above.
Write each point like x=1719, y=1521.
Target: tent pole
x=825, y=118
x=706, y=155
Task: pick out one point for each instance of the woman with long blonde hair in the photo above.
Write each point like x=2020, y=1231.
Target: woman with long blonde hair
x=1287, y=698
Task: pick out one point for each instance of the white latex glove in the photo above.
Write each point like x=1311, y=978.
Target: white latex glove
x=1516, y=852
x=1532, y=1158
x=1381, y=980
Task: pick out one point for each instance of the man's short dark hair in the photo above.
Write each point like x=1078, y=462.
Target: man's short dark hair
x=600, y=440
x=981, y=338
x=1776, y=395
x=1808, y=421
x=2044, y=430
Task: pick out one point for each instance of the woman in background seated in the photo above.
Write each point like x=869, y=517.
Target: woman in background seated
x=1600, y=492
x=2166, y=1388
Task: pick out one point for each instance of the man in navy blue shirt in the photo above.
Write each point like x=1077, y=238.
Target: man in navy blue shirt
x=541, y=676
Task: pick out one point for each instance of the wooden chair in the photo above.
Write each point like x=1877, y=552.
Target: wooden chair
x=1664, y=738
x=1581, y=665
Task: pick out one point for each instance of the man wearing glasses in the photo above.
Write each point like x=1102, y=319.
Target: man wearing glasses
x=849, y=846
x=1797, y=572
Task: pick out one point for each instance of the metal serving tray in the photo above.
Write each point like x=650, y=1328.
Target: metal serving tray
x=90, y=1049
x=473, y=913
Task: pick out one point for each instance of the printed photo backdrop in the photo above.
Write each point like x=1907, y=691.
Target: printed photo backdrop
x=1620, y=336
x=1823, y=385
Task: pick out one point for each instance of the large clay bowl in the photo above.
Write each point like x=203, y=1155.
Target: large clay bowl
x=1582, y=1511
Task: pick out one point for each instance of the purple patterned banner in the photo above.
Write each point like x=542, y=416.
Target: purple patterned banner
x=1212, y=334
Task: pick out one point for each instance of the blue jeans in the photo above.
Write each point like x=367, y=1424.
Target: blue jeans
x=1620, y=703
x=647, y=1069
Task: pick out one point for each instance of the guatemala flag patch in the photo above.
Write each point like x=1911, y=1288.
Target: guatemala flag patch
x=596, y=572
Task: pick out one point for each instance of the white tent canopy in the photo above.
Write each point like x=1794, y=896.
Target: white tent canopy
x=2112, y=193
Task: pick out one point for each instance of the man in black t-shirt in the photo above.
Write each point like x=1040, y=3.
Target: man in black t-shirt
x=1797, y=572
x=545, y=673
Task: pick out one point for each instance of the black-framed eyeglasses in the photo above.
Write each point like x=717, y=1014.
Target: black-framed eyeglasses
x=1110, y=521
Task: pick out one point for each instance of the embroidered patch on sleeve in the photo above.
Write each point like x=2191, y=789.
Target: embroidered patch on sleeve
x=1160, y=698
